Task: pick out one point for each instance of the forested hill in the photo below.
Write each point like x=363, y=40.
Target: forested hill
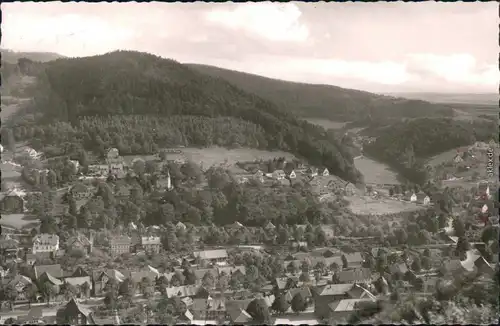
x=406, y=144
x=325, y=101
x=139, y=102
x=10, y=56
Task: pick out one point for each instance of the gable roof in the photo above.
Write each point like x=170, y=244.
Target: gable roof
x=20, y=279
x=211, y=254
x=236, y=309
x=46, y=239
x=53, y=270
x=51, y=279
x=347, y=304
x=354, y=257
x=73, y=306
x=79, y=281
x=334, y=289
x=354, y=275
x=181, y=291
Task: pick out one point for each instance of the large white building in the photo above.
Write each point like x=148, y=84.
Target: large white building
x=45, y=243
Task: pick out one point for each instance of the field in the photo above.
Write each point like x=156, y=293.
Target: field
x=375, y=172
x=219, y=155
x=18, y=221
x=368, y=205
x=327, y=124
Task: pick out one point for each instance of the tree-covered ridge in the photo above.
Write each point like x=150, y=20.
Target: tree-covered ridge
x=405, y=145
x=326, y=101
x=10, y=56
x=124, y=83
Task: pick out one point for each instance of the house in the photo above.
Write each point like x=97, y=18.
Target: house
x=50, y=280
x=83, y=284
x=269, y=226
x=359, y=275
x=119, y=245
x=80, y=191
x=350, y=189
x=180, y=226
x=98, y=169
x=343, y=309
x=484, y=190
x=213, y=256
x=13, y=202
x=413, y=198
x=231, y=270
x=101, y=278
x=20, y=282
x=74, y=314
x=54, y=270
x=163, y=181
x=291, y=175
x=45, y=243
x=426, y=200
x=354, y=260
x=328, y=231
x=80, y=242
x=312, y=172
x=458, y=158
x=234, y=226
x=186, y=291
x=236, y=312
x=151, y=244
x=304, y=291
x=325, y=295
x=208, y=309
x=324, y=172
x=278, y=175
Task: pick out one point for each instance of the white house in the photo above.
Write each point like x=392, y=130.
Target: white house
x=325, y=172
x=292, y=175
x=458, y=158
x=279, y=174
x=413, y=198
x=45, y=243
x=427, y=200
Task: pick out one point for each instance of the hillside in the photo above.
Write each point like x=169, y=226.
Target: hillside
x=139, y=102
x=10, y=56
x=325, y=101
x=418, y=139
x=472, y=98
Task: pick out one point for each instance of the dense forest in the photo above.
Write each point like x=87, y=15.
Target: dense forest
x=404, y=145
x=326, y=101
x=99, y=99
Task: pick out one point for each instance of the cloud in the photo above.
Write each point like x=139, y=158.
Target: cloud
x=276, y=22
x=77, y=35
x=454, y=68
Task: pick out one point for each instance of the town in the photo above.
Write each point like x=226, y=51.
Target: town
x=85, y=264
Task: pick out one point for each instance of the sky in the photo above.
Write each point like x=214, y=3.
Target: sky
x=378, y=47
